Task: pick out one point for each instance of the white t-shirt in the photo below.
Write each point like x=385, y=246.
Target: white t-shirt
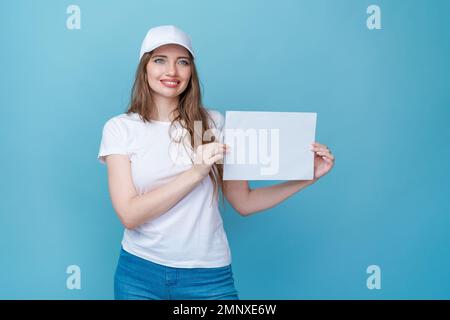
x=191, y=233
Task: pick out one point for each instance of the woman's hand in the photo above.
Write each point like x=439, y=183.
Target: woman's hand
x=323, y=160
x=206, y=155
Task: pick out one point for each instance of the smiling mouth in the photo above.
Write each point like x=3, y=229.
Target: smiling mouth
x=170, y=84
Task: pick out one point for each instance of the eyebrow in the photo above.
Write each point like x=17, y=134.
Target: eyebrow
x=166, y=57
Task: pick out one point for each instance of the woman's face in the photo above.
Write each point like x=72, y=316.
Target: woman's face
x=169, y=70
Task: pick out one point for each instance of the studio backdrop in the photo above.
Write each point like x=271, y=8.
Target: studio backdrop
x=377, y=73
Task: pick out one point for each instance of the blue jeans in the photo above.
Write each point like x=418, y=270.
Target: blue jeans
x=140, y=279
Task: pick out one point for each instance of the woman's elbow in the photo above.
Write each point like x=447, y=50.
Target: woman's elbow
x=126, y=219
x=243, y=212
x=239, y=209
x=126, y=215
x=127, y=222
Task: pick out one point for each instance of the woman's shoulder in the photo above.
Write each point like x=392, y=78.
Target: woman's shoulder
x=132, y=116
x=122, y=124
x=124, y=118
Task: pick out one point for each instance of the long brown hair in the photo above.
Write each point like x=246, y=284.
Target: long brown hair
x=190, y=108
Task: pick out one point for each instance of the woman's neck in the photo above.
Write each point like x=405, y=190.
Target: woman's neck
x=163, y=108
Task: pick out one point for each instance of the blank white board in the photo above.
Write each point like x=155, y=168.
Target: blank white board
x=269, y=145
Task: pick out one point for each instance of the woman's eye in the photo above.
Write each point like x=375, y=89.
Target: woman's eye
x=183, y=62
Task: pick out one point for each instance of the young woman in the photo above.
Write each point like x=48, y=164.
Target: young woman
x=174, y=244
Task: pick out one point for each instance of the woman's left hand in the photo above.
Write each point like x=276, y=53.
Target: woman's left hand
x=323, y=160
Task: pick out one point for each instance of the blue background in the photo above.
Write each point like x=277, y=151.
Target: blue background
x=382, y=99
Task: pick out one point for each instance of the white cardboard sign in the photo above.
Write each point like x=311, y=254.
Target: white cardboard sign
x=269, y=145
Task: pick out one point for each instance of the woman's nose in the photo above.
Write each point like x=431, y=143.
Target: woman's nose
x=172, y=69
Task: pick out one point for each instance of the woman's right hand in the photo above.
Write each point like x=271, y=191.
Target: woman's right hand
x=206, y=155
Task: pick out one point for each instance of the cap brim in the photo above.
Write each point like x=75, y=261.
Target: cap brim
x=164, y=43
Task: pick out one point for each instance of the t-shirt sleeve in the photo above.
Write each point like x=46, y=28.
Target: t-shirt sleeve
x=114, y=140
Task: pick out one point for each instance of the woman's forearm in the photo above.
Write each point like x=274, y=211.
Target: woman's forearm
x=153, y=204
x=267, y=197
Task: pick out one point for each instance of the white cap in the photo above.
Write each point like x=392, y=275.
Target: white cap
x=159, y=36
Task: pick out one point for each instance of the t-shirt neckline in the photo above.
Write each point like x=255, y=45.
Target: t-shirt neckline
x=163, y=123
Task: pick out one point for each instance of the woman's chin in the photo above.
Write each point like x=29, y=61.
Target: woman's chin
x=165, y=94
